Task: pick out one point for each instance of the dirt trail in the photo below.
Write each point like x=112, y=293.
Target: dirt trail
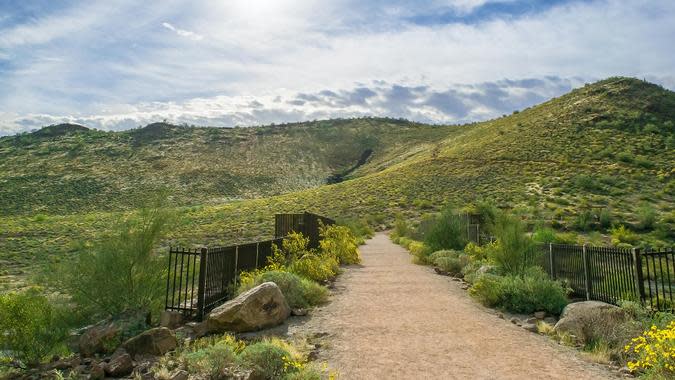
x=391, y=319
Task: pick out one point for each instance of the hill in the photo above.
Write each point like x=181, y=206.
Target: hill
x=70, y=169
x=609, y=145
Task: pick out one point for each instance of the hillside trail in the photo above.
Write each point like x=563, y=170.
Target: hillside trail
x=391, y=319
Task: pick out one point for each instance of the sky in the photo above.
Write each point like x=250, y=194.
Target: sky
x=120, y=64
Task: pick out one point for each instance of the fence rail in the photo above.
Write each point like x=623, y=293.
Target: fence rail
x=199, y=280
x=612, y=274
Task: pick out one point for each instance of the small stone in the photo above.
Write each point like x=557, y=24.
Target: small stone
x=179, y=375
x=440, y=271
x=531, y=320
x=515, y=321
x=500, y=315
x=299, y=312
x=539, y=314
x=465, y=286
x=530, y=327
x=625, y=371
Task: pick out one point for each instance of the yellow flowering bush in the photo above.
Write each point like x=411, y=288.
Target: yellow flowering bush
x=654, y=351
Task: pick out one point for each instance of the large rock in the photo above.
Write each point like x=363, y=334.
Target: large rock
x=120, y=364
x=97, y=338
x=589, y=320
x=157, y=341
x=171, y=319
x=105, y=336
x=261, y=307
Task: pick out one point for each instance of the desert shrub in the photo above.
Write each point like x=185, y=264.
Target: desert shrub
x=511, y=254
x=339, y=242
x=298, y=291
x=360, y=228
x=405, y=242
x=30, y=327
x=626, y=157
x=318, y=268
x=122, y=271
x=646, y=217
x=605, y=218
x=447, y=231
x=294, y=246
x=443, y=253
x=621, y=236
x=587, y=183
x=543, y=235
x=451, y=264
x=211, y=360
x=584, y=220
x=644, y=162
x=305, y=373
x=267, y=360
x=653, y=352
x=528, y=292
x=419, y=251
x=401, y=227
x=487, y=215
x=566, y=238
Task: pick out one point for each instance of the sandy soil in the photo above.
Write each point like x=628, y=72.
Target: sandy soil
x=391, y=319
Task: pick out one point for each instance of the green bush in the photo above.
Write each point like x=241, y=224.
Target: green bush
x=621, y=236
x=298, y=291
x=448, y=231
x=511, y=253
x=605, y=218
x=646, y=217
x=452, y=265
x=401, y=227
x=315, y=267
x=528, y=292
x=360, y=228
x=211, y=360
x=419, y=251
x=267, y=360
x=339, y=242
x=584, y=220
x=30, y=327
x=543, y=235
x=121, y=272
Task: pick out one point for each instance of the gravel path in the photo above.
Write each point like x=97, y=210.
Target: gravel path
x=391, y=319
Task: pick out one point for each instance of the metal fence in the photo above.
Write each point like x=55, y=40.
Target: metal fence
x=306, y=223
x=612, y=274
x=199, y=280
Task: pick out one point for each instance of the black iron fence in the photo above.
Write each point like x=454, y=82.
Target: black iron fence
x=199, y=280
x=306, y=223
x=612, y=274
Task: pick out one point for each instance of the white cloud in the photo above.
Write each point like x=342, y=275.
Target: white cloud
x=183, y=33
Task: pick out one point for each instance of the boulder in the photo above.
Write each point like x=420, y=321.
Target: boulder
x=105, y=336
x=96, y=338
x=261, y=307
x=171, y=319
x=96, y=372
x=589, y=320
x=531, y=327
x=120, y=364
x=157, y=341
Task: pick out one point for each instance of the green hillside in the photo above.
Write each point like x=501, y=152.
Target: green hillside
x=607, y=146
x=68, y=168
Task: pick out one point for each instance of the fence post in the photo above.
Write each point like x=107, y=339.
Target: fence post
x=257, y=249
x=236, y=261
x=587, y=272
x=201, y=291
x=639, y=280
x=550, y=259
